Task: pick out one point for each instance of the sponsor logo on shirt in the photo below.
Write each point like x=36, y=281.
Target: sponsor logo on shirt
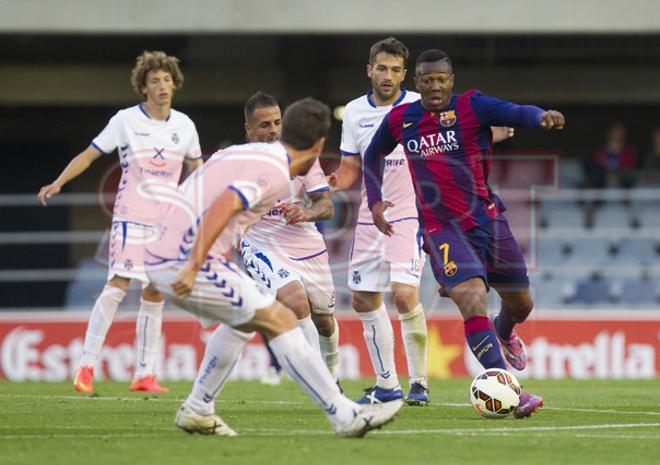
x=407, y=125
x=158, y=156
x=366, y=125
x=283, y=273
x=141, y=134
x=433, y=144
x=357, y=279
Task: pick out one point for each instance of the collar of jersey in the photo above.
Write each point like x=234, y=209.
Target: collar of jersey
x=147, y=114
x=396, y=102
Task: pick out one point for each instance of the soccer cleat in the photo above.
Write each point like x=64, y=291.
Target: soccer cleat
x=192, y=422
x=378, y=395
x=369, y=417
x=529, y=404
x=84, y=380
x=147, y=384
x=513, y=348
x=418, y=395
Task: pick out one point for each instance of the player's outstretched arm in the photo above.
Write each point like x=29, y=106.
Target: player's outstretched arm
x=320, y=209
x=350, y=169
x=76, y=166
x=215, y=219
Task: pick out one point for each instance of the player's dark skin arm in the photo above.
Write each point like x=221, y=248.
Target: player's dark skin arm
x=321, y=209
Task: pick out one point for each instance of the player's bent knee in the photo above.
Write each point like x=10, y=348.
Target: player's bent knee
x=366, y=301
x=271, y=321
x=151, y=294
x=471, y=298
x=405, y=298
x=325, y=324
x=119, y=282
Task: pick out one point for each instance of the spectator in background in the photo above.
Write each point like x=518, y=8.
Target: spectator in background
x=615, y=163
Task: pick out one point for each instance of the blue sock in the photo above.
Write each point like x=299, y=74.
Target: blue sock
x=483, y=342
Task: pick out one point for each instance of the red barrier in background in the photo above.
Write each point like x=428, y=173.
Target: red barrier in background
x=47, y=346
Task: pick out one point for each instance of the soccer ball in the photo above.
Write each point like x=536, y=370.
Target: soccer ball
x=495, y=393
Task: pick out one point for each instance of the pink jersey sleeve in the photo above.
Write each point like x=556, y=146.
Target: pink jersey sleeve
x=314, y=180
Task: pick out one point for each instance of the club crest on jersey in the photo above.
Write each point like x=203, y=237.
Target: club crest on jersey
x=357, y=279
x=175, y=138
x=448, y=118
x=450, y=269
x=283, y=273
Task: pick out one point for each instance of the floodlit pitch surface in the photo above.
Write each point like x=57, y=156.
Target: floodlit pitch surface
x=583, y=422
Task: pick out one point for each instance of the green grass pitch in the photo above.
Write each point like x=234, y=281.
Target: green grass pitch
x=584, y=422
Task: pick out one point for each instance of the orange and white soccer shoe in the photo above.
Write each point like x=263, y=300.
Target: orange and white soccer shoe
x=147, y=384
x=84, y=380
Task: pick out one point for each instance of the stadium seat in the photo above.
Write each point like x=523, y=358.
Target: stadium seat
x=594, y=290
x=612, y=216
x=564, y=215
x=550, y=291
x=589, y=251
x=639, y=291
x=648, y=216
x=549, y=252
x=636, y=250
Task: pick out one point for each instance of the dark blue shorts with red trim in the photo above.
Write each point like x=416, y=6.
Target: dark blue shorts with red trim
x=488, y=251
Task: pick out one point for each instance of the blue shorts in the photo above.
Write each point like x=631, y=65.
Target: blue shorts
x=489, y=251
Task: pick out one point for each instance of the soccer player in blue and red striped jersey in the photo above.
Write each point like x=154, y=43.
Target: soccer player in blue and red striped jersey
x=448, y=143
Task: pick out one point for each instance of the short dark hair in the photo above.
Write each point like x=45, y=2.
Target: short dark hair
x=431, y=56
x=305, y=122
x=258, y=100
x=391, y=46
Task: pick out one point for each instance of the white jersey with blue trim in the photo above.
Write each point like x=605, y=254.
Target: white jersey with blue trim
x=151, y=155
x=361, y=121
x=296, y=241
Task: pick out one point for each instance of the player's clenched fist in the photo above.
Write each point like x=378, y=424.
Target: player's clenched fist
x=293, y=214
x=47, y=192
x=183, y=284
x=552, y=119
x=378, y=214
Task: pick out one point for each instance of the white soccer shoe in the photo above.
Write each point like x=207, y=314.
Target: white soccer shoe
x=191, y=422
x=369, y=417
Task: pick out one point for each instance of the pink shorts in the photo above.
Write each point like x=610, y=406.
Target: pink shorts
x=126, y=249
x=377, y=261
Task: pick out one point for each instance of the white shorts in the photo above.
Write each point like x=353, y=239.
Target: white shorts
x=221, y=293
x=275, y=270
x=377, y=261
x=126, y=249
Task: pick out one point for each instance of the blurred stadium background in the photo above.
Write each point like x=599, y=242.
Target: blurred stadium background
x=588, y=217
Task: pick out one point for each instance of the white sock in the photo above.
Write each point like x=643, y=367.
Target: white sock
x=311, y=333
x=379, y=336
x=414, y=335
x=100, y=320
x=306, y=368
x=220, y=356
x=148, y=327
x=330, y=350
